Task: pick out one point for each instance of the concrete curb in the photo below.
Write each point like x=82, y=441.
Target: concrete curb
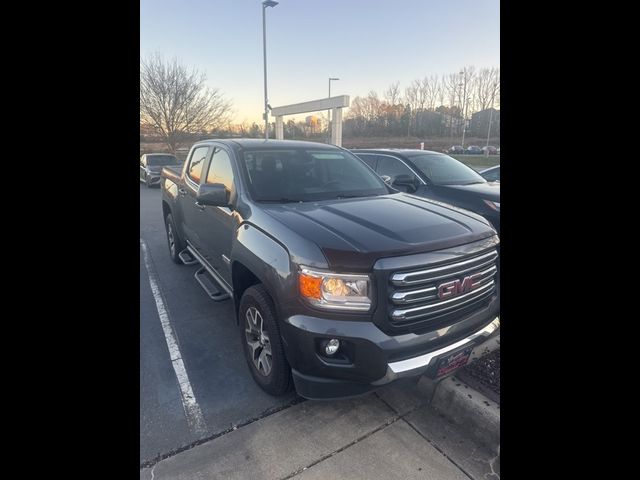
x=466, y=407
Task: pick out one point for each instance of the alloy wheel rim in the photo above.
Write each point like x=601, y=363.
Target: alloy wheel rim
x=258, y=341
x=172, y=242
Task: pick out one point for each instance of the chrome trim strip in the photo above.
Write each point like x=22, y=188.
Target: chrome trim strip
x=400, y=298
x=399, y=315
x=401, y=279
x=418, y=365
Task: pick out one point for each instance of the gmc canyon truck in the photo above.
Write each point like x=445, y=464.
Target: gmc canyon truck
x=340, y=283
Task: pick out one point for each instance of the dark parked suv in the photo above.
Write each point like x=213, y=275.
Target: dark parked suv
x=436, y=176
x=340, y=283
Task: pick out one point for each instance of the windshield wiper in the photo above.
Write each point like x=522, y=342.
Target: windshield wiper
x=353, y=195
x=280, y=200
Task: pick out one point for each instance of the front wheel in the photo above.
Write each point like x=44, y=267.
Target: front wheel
x=175, y=244
x=146, y=181
x=262, y=345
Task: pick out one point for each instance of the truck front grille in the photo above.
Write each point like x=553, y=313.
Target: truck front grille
x=413, y=295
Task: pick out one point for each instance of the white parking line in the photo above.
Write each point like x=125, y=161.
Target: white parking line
x=191, y=407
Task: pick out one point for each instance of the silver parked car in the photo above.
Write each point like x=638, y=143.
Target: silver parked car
x=151, y=166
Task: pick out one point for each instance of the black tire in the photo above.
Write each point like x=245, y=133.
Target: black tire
x=278, y=380
x=177, y=246
x=146, y=181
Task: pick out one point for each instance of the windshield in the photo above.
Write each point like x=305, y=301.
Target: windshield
x=443, y=170
x=301, y=175
x=159, y=160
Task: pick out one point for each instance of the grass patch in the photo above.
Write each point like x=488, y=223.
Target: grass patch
x=478, y=161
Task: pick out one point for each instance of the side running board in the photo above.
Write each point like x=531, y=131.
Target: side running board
x=187, y=258
x=210, y=285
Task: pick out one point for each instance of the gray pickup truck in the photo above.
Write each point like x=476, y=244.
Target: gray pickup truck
x=340, y=283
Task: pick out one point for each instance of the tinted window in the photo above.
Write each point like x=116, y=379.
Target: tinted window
x=159, y=160
x=368, y=159
x=393, y=167
x=197, y=162
x=300, y=174
x=443, y=170
x=493, y=175
x=220, y=170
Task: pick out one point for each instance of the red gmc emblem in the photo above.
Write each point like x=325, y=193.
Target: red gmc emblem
x=458, y=287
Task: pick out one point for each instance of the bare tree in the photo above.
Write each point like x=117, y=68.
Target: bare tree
x=451, y=85
x=487, y=84
x=392, y=94
x=467, y=75
x=411, y=100
x=432, y=89
x=176, y=101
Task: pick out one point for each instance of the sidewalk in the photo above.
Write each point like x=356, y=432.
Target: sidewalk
x=391, y=434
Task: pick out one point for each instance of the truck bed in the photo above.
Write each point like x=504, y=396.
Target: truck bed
x=173, y=173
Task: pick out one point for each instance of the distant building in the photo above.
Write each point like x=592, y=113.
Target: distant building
x=479, y=126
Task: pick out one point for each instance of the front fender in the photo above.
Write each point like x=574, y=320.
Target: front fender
x=267, y=259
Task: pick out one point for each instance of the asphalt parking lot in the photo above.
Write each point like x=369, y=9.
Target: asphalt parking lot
x=208, y=343
x=195, y=388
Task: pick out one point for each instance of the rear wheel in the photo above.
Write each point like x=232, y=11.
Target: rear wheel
x=261, y=341
x=175, y=244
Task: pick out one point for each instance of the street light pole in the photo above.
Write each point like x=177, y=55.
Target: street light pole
x=329, y=112
x=265, y=4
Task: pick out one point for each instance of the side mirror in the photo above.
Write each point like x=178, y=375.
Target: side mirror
x=386, y=179
x=405, y=180
x=212, y=194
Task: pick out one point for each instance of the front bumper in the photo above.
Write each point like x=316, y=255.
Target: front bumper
x=154, y=179
x=374, y=358
x=485, y=341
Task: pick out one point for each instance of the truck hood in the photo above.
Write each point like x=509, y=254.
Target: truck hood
x=489, y=190
x=354, y=233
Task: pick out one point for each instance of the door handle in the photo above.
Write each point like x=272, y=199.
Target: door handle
x=182, y=191
x=199, y=206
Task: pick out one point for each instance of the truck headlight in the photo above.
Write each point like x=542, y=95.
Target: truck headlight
x=336, y=291
x=493, y=205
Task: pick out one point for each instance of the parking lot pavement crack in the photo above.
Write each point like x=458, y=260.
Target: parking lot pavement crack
x=389, y=422
x=437, y=447
x=270, y=411
x=341, y=449
x=492, y=463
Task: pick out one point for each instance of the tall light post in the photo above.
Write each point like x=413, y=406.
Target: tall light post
x=329, y=111
x=265, y=4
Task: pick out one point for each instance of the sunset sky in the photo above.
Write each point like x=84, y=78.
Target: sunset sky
x=368, y=44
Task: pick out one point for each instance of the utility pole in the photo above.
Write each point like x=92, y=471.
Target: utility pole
x=265, y=4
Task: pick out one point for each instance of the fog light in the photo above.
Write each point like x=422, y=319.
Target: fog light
x=332, y=346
